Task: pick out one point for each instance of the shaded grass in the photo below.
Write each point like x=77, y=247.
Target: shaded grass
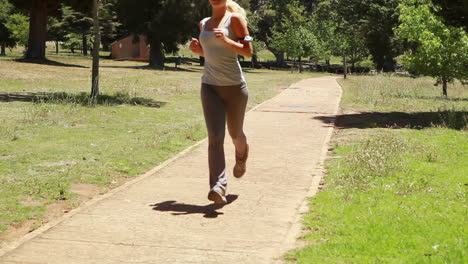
x=52, y=136
x=393, y=193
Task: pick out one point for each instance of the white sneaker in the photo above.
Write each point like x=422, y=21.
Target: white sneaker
x=217, y=194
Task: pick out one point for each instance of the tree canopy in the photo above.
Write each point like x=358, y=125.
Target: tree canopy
x=39, y=11
x=294, y=34
x=7, y=38
x=453, y=12
x=166, y=23
x=441, y=52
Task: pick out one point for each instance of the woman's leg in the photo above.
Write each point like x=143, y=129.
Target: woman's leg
x=236, y=103
x=214, y=111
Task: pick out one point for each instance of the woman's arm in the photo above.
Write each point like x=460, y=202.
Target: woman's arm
x=195, y=45
x=239, y=26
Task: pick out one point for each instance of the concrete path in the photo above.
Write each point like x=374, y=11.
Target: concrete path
x=164, y=216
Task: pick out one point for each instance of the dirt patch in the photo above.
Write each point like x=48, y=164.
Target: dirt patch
x=85, y=190
x=56, y=164
x=6, y=157
x=53, y=211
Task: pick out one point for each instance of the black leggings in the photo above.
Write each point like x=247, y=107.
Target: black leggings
x=221, y=103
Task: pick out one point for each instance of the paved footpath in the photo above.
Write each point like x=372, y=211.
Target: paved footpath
x=164, y=216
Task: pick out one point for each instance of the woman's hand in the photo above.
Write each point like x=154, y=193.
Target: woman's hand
x=219, y=34
x=195, y=47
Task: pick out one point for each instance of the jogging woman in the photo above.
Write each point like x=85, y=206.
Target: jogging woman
x=224, y=93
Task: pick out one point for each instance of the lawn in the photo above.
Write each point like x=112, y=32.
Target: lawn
x=57, y=147
x=396, y=183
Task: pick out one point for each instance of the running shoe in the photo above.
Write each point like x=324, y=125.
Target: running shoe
x=217, y=194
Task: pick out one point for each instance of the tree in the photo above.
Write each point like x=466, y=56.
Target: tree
x=97, y=42
x=18, y=26
x=73, y=42
x=39, y=11
x=6, y=36
x=339, y=27
x=166, y=23
x=293, y=35
x=266, y=14
x=79, y=23
x=109, y=23
x=379, y=18
x=442, y=51
x=56, y=32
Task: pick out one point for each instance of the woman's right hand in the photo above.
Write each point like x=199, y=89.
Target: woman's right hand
x=195, y=46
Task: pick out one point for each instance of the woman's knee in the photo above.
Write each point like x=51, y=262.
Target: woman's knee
x=237, y=136
x=216, y=140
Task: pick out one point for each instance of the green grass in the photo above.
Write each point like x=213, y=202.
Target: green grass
x=396, y=194
x=405, y=94
x=56, y=138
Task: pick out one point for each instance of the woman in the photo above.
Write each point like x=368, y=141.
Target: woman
x=224, y=92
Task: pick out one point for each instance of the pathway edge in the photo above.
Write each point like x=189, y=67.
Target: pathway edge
x=295, y=230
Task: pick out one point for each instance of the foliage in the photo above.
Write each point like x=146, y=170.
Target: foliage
x=454, y=12
x=111, y=27
x=265, y=14
x=380, y=17
x=165, y=23
x=18, y=25
x=39, y=12
x=339, y=30
x=73, y=42
x=442, y=51
x=6, y=37
x=293, y=35
x=56, y=31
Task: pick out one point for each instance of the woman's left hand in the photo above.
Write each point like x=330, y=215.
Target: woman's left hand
x=219, y=34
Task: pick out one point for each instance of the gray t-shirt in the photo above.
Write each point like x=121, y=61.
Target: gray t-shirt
x=222, y=67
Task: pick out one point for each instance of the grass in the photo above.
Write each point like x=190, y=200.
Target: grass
x=395, y=192
x=52, y=137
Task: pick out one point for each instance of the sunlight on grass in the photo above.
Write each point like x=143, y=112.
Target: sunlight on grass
x=393, y=194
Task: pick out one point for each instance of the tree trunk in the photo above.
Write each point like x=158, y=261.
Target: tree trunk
x=97, y=41
x=105, y=45
x=85, y=45
x=37, y=30
x=279, y=58
x=254, y=61
x=156, y=54
x=202, y=61
x=444, y=87
x=300, y=64
x=327, y=61
x=3, y=53
x=345, y=67
x=56, y=47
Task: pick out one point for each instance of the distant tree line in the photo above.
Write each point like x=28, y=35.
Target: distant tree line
x=354, y=30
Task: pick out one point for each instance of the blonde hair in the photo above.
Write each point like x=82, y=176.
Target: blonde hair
x=236, y=8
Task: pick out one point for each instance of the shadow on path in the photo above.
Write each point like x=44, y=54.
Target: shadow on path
x=208, y=211
x=419, y=120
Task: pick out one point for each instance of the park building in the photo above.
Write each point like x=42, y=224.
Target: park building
x=130, y=48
